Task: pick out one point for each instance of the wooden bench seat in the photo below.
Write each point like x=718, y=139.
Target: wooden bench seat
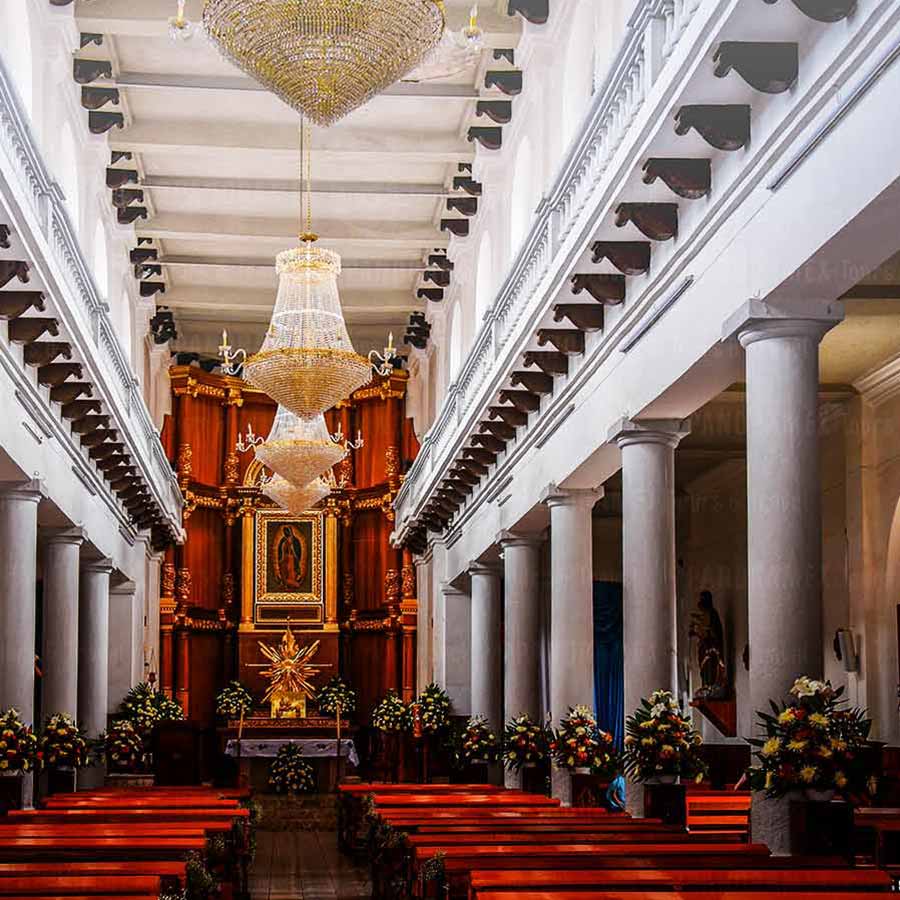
x=679, y=880
x=541, y=824
x=16, y=849
x=640, y=895
x=73, y=816
x=449, y=800
x=56, y=896
x=142, y=829
x=442, y=839
x=63, y=885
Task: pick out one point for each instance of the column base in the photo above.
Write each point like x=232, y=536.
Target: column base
x=512, y=780
x=90, y=778
x=770, y=822
x=561, y=786
x=634, y=799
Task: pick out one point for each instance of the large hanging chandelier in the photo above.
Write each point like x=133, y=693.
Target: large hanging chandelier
x=307, y=362
x=299, y=449
x=325, y=58
x=295, y=499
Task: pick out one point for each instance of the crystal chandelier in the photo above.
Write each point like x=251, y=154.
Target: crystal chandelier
x=307, y=362
x=455, y=52
x=325, y=58
x=295, y=499
x=299, y=449
x=180, y=29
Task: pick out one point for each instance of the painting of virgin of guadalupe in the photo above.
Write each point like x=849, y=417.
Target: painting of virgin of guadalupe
x=289, y=557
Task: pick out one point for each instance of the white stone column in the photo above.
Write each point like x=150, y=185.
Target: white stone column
x=487, y=644
x=457, y=649
x=93, y=657
x=18, y=581
x=125, y=641
x=650, y=625
x=60, y=558
x=150, y=640
x=571, y=608
x=784, y=517
x=521, y=640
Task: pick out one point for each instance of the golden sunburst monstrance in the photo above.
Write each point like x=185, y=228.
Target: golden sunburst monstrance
x=290, y=669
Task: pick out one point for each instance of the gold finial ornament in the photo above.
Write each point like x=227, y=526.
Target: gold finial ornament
x=325, y=58
x=289, y=675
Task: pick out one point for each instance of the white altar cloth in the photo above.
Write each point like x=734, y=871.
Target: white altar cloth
x=311, y=747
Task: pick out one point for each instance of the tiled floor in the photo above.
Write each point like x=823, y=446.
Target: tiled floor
x=304, y=865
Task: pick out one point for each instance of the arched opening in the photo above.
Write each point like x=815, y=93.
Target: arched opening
x=484, y=278
x=880, y=645
x=455, y=341
x=67, y=172
x=524, y=191
x=15, y=48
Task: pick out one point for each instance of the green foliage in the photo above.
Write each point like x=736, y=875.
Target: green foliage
x=290, y=773
x=336, y=693
x=579, y=743
x=391, y=714
x=434, y=709
x=18, y=744
x=524, y=741
x=124, y=747
x=811, y=743
x=479, y=742
x=144, y=707
x=433, y=869
x=660, y=741
x=233, y=700
x=62, y=744
x=200, y=883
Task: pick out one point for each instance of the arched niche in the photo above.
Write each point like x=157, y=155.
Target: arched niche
x=484, y=278
x=17, y=51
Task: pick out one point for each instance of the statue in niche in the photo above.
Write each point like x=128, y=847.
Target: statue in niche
x=706, y=627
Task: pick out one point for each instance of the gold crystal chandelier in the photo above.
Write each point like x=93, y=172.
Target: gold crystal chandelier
x=325, y=58
x=307, y=362
x=295, y=499
x=299, y=449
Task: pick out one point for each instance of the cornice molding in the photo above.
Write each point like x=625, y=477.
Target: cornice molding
x=880, y=384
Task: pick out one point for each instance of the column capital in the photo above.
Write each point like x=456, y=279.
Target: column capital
x=126, y=588
x=553, y=495
x=75, y=536
x=449, y=590
x=103, y=566
x=759, y=320
x=32, y=490
x=486, y=568
x=668, y=432
x=520, y=539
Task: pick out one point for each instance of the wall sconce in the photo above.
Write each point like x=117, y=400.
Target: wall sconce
x=845, y=649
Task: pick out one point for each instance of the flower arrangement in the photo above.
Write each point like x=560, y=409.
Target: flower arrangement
x=660, y=741
x=290, y=773
x=336, y=693
x=144, y=707
x=391, y=714
x=233, y=701
x=810, y=743
x=62, y=744
x=434, y=706
x=18, y=744
x=524, y=742
x=580, y=744
x=479, y=743
x=124, y=747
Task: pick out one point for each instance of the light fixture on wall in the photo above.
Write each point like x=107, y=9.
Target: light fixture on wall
x=845, y=649
x=325, y=58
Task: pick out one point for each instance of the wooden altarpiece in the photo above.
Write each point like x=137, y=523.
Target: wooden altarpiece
x=356, y=594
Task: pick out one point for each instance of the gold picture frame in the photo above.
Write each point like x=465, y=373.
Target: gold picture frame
x=288, y=560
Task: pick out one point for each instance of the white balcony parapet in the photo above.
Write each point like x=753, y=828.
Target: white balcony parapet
x=46, y=229
x=653, y=34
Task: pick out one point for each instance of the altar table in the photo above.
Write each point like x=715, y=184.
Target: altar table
x=311, y=747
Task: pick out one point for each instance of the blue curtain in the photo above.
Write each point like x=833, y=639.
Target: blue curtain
x=609, y=665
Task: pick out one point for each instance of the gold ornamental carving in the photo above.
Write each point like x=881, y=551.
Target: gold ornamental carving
x=167, y=580
x=348, y=587
x=343, y=471
x=185, y=462
x=392, y=587
x=230, y=468
x=183, y=586
x=227, y=589
x=408, y=579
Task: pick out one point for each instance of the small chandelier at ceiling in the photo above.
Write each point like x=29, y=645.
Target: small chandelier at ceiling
x=307, y=362
x=298, y=449
x=325, y=58
x=454, y=53
x=296, y=500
